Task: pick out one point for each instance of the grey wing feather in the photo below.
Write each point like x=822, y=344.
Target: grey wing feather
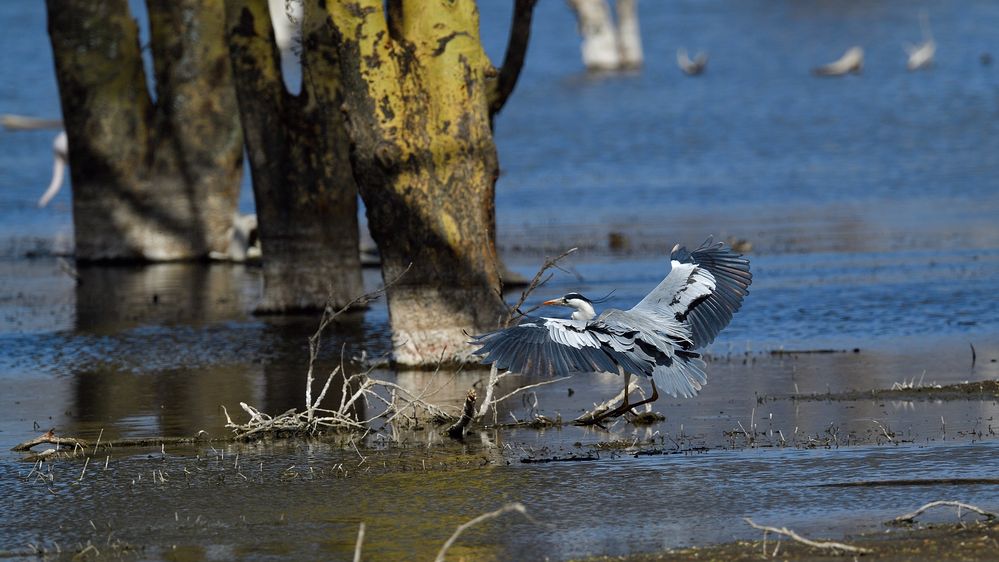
x=702, y=291
x=683, y=376
x=544, y=347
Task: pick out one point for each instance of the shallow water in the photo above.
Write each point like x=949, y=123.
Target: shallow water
x=870, y=202
x=306, y=501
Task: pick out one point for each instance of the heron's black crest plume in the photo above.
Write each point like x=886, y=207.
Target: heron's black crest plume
x=604, y=298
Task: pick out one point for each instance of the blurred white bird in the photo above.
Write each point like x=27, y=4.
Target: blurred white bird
x=244, y=242
x=688, y=66
x=60, y=152
x=921, y=55
x=851, y=61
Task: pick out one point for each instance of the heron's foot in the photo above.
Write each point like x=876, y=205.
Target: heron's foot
x=645, y=418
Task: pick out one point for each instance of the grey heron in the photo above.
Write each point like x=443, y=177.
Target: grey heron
x=658, y=338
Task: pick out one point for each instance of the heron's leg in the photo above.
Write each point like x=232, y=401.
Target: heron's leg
x=653, y=398
x=627, y=383
x=621, y=408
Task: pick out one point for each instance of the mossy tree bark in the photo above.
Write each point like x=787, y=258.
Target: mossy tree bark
x=419, y=93
x=152, y=180
x=298, y=149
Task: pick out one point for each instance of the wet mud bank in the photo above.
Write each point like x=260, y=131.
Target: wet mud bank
x=973, y=541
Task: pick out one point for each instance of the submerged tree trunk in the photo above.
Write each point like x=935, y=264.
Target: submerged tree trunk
x=417, y=97
x=629, y=36
x=596, y=27
x=151, y=180
x=607, y=46
x=298, y=149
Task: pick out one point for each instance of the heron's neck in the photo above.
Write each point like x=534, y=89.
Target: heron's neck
x=584, y=311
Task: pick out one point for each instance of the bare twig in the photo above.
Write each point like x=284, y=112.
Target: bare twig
x=538, y=281
x=827, y=545
x=883, y=430
x=494, y=377
x=910, y=517
x=518, y=507
x=356, y=388
x=360, y=541
x=329, y=315
x=516, y=51
x=520, y=389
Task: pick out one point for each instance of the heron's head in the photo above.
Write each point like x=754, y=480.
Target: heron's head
x=582, y=305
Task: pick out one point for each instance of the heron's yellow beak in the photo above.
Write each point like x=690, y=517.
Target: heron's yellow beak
x=553, y=302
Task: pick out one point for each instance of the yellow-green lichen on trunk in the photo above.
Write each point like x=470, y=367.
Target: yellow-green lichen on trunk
x=151, y=181
x=423, y=154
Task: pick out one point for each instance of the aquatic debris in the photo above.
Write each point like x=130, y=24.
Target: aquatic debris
x=457, y=431
x=824, y=545
x=911, y=517
x=570, y=458
x=76, y=446
x=913, y=482
x=49, y=437
x=913, y=385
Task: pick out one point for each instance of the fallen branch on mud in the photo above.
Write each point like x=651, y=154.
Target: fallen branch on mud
x=825, y=545
x=911, y=517
x=588, y=417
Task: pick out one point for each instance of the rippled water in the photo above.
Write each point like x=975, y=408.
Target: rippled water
x=870, y=202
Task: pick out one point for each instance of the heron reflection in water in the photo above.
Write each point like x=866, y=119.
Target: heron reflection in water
x=658, y=338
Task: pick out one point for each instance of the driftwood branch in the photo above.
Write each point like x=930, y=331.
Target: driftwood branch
x=518, y=507
x=910, y=517
x=539, y=280
x=825, y=545
x=457, y=430
x=80, y=445
x=516, y=52
x=589, y=417
x=50, y=438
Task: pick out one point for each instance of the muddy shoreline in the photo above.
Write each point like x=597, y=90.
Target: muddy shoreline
x=977, y=540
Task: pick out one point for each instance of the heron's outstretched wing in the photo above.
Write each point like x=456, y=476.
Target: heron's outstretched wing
x=643, y=338
x=545, y=346
x=702, y=291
